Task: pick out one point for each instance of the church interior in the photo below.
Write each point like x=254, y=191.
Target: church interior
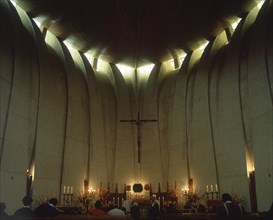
x=124, y=100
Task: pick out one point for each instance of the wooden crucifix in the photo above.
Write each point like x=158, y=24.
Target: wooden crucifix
x=138, y=122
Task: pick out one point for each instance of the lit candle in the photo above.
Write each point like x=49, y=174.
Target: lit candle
x=211, y=188
x=71, y=189
x=207, y=189
x=64, y=189
x=68, y=189
x=216, y=188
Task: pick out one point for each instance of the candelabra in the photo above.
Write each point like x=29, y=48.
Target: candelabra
x=212, y=195
x=67, y=199
x=68, y=196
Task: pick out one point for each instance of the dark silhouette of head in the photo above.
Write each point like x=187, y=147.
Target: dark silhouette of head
x=98, y=204
x=226, y=197
x=2, y=206
x=53, y=201
x=27, y=200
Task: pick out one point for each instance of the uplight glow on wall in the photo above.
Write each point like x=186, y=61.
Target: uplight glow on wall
x=102, y=66
x=89, y=57
x=145, y=70
x=68, y=45
x=172, y=63
x=260, y=3
x=14, y=2
x=126, y=71
x=182, y=58
x=203, y=46
x=235, y=23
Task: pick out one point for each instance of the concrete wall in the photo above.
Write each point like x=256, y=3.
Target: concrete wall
x=60, y=117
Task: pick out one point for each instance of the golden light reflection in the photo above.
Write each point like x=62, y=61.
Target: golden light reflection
x=203, y=46
x=69, y=45
x=14, y=2
x=102, y=66
x=172, y=63
x=126, y=71
x=145, y=70
x=260, y=3
x=235, y=23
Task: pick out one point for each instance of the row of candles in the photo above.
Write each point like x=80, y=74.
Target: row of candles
x=209, y=189
x=68, y=189
x=215, y=189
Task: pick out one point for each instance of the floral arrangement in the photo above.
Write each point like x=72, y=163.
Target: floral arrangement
x=173, y=194
x=194, y=200
x=142, y=202
x=237, y=198
x=128, y=187
x=147, y=187
x=104, y=194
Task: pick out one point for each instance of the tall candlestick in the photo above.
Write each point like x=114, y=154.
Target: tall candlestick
x=64, y=189
x=67, y=189
x=216, y=188
x=207, y=188
x=211, y=188
x=71, y=189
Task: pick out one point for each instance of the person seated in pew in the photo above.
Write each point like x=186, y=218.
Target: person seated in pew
x=135, y=211
x=97, y=211
x=115, y=211
x=48, y=209
x=2, y=209
x=26, y=210
x=230, y=208
x=153, y=211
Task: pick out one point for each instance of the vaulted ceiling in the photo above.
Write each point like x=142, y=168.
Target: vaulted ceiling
x=136, y=32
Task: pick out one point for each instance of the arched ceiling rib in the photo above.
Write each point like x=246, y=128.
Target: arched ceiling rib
x=135, y=32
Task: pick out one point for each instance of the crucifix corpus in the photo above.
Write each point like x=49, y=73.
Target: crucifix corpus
x=138, y=122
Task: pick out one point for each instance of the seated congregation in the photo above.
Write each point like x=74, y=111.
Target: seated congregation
x=227, y=208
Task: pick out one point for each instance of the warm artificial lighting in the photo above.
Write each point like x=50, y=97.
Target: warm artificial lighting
x=39, y=20
x=125, y=70
x=172, y=64
x=182, y=58
x=146, y=70
x=203, y=46
x=14, y=2
x=102, y=66
x=260, y=4
x=137, y=188
x=89, y=57
x=235, y=23
x=68, y=44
